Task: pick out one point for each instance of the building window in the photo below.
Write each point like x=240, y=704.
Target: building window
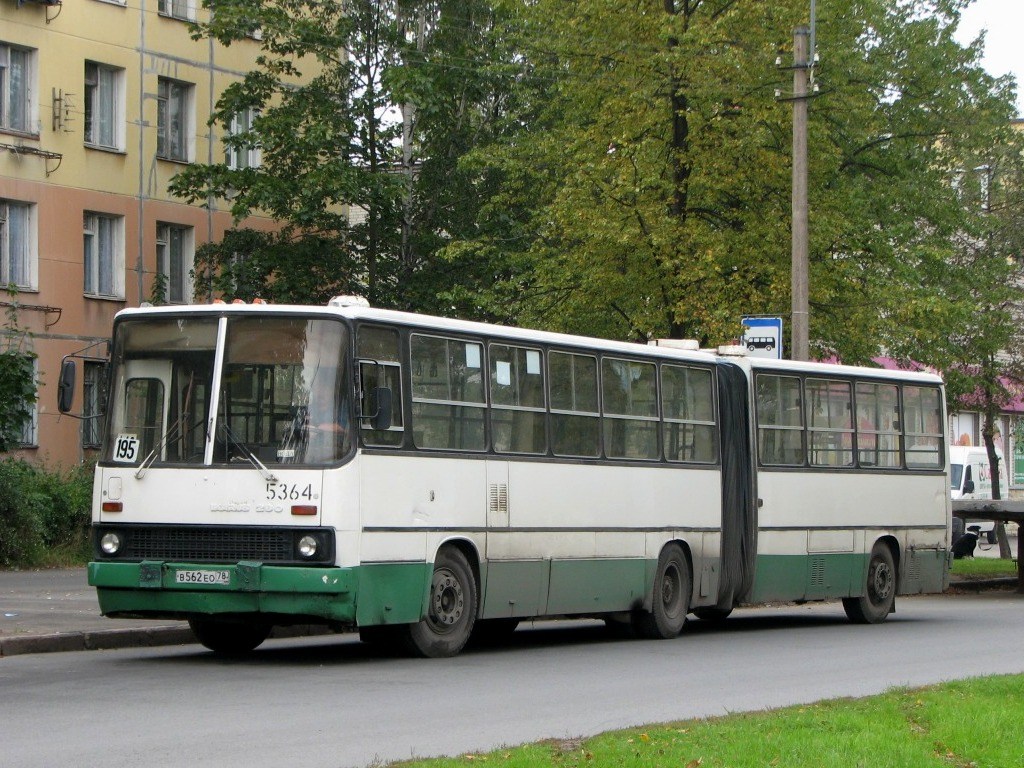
x=15, y=88
x=244, y=155
x=92, y=406
x=177, y=9
x=104, y=89
x=174, y=261
x=17, y=260
x=174, y=119
x=30, y=428
x=103, y=255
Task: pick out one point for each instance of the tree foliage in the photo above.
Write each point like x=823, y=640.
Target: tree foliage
x=363, y=111
x=658, y=166
x=17, y=379
x=613, y=167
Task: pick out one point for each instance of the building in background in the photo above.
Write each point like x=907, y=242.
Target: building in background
x=101, y=103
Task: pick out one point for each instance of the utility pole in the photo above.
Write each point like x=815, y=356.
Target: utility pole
x=800, y=318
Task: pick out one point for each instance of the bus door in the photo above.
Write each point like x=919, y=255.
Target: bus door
x=143, y=411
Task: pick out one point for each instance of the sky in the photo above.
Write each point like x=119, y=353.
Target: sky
x=1004, y=53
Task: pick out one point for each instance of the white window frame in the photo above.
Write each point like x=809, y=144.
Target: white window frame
x=18, y=111
x=250, y=157
x=175, y=103
x=104, y=106
x=185, y=10
x=103, y=241
x=18, y=240
x=170, y=237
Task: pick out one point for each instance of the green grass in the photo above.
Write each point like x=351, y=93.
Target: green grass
x=983, y=567
x=967, y=724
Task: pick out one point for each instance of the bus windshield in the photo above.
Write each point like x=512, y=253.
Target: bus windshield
x=282, y=394
x=956, y=473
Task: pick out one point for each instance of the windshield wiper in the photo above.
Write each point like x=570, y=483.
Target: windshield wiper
x=151, y=456
x=269, y=476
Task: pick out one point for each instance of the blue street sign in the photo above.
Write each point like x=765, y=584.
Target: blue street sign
x=762, y=336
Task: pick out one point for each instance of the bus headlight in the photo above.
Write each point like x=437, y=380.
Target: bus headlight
x=110, y=544
x=307, y=547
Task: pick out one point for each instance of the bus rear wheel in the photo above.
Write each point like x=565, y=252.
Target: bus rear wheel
x=451, y=613
x=879, y=592
x=671, y=599
x=229, y=637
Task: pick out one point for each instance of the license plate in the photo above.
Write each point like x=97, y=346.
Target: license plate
x=202, y=577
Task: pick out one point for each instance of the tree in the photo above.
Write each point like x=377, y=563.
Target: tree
x=984, y=358
x=646, y=192
x=362, y=111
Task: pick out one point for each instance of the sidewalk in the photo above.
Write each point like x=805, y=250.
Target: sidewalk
x=56, y=610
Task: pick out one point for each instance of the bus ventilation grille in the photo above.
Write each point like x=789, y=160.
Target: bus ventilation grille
x=913, y=567
x=817, y=571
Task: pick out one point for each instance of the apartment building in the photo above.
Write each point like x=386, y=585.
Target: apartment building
x=101, y=103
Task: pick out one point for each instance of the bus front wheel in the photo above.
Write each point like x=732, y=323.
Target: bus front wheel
x=230, y=637
x=879, y=592
x=671, y=599
x=451, y=613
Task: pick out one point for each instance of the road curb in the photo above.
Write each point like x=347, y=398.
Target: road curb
x=976, y=585
x=96, y=640
x=136, y=637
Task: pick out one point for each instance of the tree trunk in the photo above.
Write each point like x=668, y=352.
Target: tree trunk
x=988, y=432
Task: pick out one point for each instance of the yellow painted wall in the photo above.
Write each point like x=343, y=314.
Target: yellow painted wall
x=131, y=182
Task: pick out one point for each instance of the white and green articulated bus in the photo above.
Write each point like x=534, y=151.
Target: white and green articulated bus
x=421, y=479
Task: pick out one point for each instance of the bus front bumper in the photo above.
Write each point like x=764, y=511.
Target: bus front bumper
x=156, y=589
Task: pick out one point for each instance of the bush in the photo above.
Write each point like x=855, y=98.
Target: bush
x=44, y=516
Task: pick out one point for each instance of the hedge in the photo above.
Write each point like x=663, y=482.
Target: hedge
x=44, y=515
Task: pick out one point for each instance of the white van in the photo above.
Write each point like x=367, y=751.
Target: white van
x=970, y=477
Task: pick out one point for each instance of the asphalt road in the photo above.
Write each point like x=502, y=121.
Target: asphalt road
x=332, y=702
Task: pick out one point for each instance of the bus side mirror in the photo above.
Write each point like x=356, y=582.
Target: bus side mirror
x=968, y=486
x=66, y=386
x=381, y=407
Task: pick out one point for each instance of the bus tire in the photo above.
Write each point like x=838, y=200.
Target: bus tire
x=670, y=601
x=452, y=608
x=229, y=637
x=879, y=596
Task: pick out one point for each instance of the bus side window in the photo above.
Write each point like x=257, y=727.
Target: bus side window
x=779, y=420
x=630, y=406
x=688, y=409
x=575, y=419
x=829, y=423
x=922, y=425
x=380, y=345
x=878, y=433
x=448, y=404
x=517, y=400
